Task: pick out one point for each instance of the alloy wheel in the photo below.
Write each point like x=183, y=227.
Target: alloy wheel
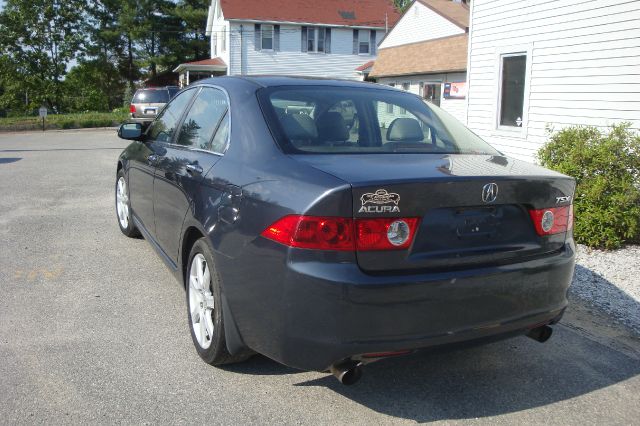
x=201, y=302
x=122, y=203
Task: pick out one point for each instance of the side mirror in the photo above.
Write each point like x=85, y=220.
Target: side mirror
x=130, y=131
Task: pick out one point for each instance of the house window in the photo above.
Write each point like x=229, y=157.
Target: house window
x=363, y=42
x=311, y=40
x=223, y=41
x=316, y=39
x=512, y=80
x=320, y=38
x=267, y=37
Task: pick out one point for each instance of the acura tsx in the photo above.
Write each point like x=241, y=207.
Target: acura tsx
x=326, y=224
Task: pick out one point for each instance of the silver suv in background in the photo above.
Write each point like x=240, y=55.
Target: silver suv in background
x=147, y=102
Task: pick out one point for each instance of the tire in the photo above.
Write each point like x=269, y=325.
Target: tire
x=123, y=207
x=204, y=308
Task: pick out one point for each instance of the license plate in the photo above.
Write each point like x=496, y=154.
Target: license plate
x=150, y=110
x=476, y=223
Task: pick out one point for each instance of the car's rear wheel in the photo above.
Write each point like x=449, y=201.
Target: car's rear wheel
x=204, y=308
x=123, y=207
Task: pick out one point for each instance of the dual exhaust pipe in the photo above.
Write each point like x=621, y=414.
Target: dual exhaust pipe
x=349, y=371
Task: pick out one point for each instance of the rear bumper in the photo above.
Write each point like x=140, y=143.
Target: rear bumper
x=311, y=314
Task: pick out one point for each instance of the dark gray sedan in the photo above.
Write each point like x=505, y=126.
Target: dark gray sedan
x=327, y=224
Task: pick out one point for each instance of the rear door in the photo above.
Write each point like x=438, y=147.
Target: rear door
x=198, y=144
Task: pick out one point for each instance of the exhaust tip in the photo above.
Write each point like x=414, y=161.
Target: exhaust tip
x=347, y=372
x=540, y=334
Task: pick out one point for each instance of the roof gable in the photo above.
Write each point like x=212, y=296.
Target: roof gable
x=357, y=13
x=433, y=56
x=427, y=20
x=458, y=13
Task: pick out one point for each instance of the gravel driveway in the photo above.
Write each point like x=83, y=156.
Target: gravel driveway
x=610, y=281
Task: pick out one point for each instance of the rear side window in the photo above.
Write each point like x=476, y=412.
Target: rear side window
x=344, y=120
x=151, y=96
x=202, y=120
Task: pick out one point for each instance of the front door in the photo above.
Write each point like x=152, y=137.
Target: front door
x=196, y=147
x=142, y=174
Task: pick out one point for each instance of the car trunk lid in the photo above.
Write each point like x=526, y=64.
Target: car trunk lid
x=473, y=209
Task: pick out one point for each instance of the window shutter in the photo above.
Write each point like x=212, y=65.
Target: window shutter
x=304, y=39
x=355, y=42
x=258, y=37
x=372, y=43
x=276, y=37
x=327, y=40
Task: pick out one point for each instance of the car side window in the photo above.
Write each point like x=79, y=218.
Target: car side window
x=203, y=118
x=221, y=137
x=164, y=127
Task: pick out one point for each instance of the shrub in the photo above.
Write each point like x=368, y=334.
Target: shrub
x=606, y=166
x=67, y=124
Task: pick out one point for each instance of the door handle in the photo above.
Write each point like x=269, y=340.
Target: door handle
x=194, y=168
x=152, y=159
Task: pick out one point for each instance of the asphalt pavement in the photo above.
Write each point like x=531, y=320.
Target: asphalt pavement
x=93, y=329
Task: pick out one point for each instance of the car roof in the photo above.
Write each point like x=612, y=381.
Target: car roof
x=278, y=80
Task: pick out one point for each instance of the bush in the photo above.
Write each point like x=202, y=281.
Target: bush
x=606, y=167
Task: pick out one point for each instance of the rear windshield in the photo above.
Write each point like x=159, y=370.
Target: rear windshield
x=151, y=97
x=334, y=120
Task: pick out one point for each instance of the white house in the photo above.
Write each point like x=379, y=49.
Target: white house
x=426, y=54
x=540, y=64
x=328, y=38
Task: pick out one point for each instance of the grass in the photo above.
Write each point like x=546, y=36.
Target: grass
x=64, y=121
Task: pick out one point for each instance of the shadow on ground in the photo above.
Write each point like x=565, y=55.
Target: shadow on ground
x=482, y=381
x=9, y=160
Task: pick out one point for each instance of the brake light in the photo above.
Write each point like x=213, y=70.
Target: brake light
x=343, y=234
x=553, y=220
x=312, y=232
x=132, y=108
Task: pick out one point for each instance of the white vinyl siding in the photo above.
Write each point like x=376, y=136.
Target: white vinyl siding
x=420, y=23
x=219, y=33
x=582, y=67
x=290, y=59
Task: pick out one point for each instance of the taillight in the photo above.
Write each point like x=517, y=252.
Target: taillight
x=343, y=234
x=132, y=108
x=312, y=232
x=385, y=233
x=554, y=220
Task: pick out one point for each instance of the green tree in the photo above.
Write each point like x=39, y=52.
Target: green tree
x=94, y=85
x=401, y=5
x=41, y=38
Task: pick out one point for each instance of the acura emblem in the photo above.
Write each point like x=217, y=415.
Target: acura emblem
x=489, y=192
